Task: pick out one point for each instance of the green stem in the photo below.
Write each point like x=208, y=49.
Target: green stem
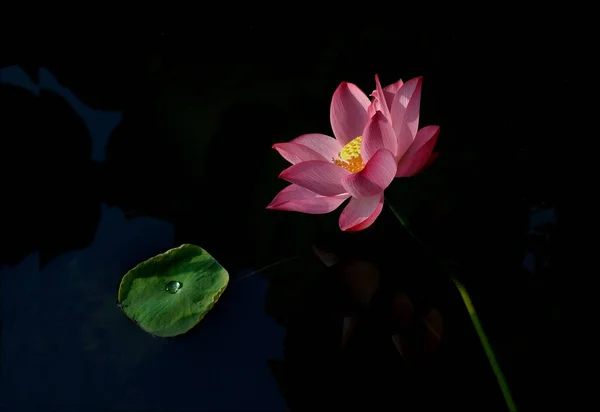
x=403, y=223
x=487, y=347
x=269, y=266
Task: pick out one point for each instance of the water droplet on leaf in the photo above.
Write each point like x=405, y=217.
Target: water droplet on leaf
x=142, y=290
x=173, y=286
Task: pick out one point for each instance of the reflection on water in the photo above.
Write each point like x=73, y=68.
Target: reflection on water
x=67, y=346
x=100, y=123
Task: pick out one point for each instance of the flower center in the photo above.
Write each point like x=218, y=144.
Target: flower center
x=349, y=157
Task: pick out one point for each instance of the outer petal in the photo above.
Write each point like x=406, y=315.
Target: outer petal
x=294, y=152
x=361, y=213
x=405, y=113
x=412, y=164
x=374, y=178
x=297, y=199
x=423, y=136
x=323, y=178
x=320, y=143
x=378, y=134
x=348, y=112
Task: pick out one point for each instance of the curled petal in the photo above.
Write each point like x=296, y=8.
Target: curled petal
x=295, y=153
x=323, y=178
x=298, y=199
x=388, y=94
x=378, y=134
x=348, y=112
x=359, y=214
x=380, y=101
x=415, y=160
x=325, y=145
x=374, y=178
x=391, y=90
x=405, y=113
x=372, y=109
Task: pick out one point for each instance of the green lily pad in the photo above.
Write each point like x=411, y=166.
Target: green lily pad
x=169, y=294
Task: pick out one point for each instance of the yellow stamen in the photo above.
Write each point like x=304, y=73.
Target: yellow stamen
x=349, y=157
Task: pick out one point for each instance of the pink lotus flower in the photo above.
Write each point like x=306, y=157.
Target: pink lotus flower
x=374, y=142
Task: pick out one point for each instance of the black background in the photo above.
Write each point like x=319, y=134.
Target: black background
x=508, y=98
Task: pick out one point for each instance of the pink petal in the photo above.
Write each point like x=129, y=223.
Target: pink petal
x=380, y=100
x=372, y=109
x=323, y=178
x=423, y=136
x=412, y=163
x=405, y=113
x=388, y=95
x=297, y=199
x=359, y=214
x=320, y=143
x=294, y=152
x=378, y=134
x=348, y=112
x=392, y=89
x=374, y=178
